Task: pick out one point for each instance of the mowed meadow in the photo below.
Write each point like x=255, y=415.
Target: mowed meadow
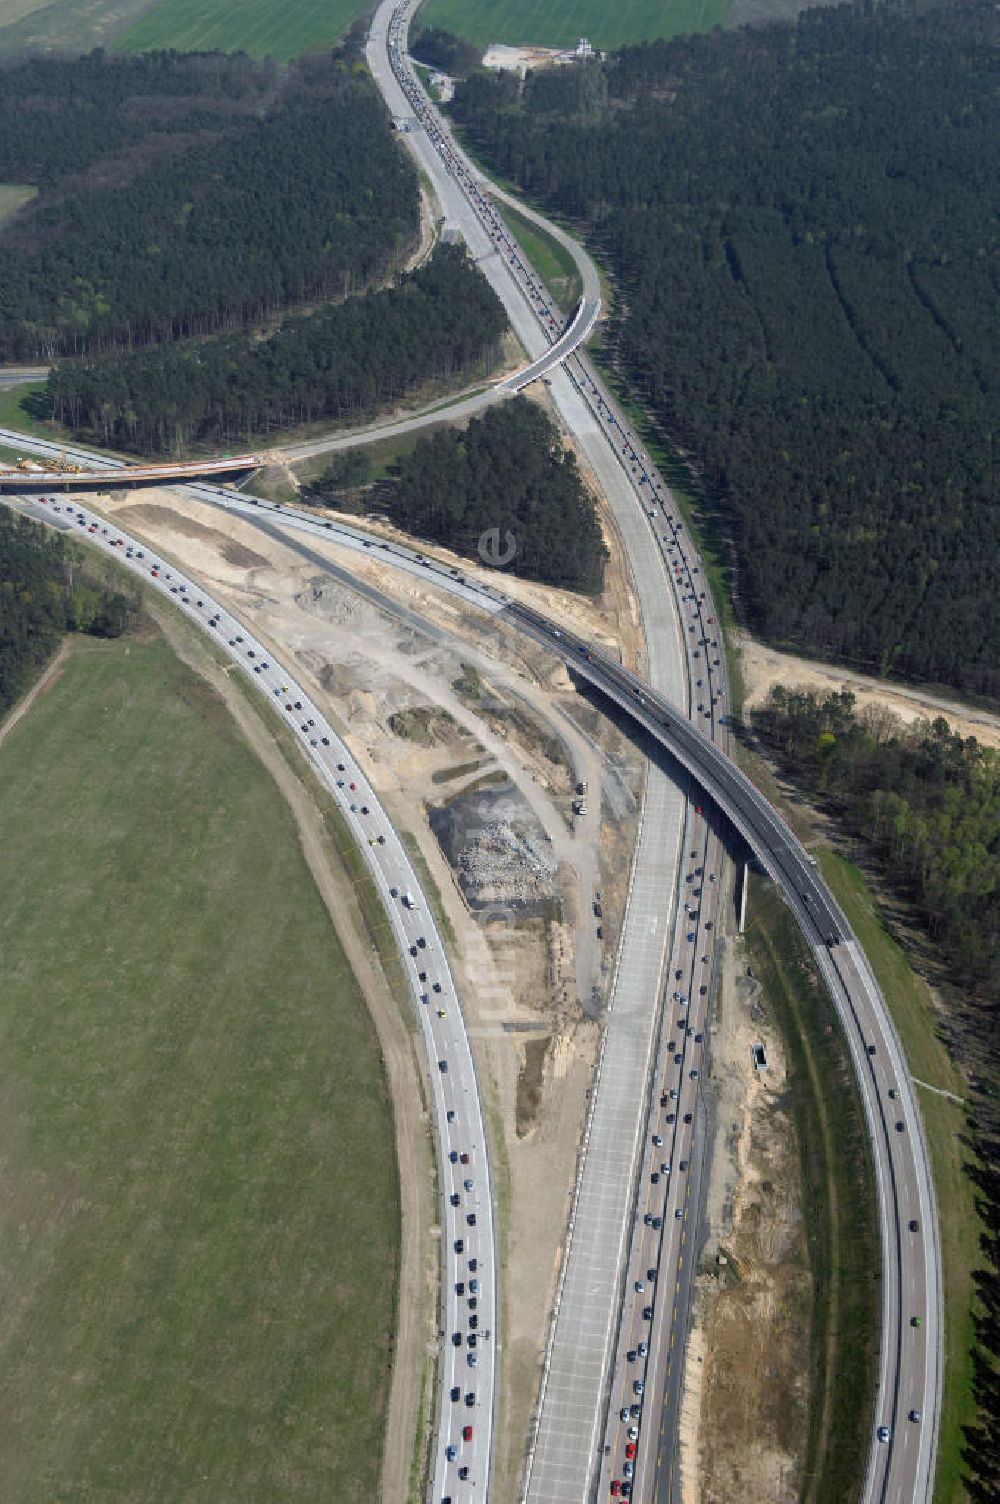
x=561, y=23
x=258, y=27
x=199, y=1246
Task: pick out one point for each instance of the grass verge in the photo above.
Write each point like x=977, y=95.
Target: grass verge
x=14, y=196
x=838, y=1190
x=13, y=414
x=551, y=261
x=206, y=1235
x=430, y=887
x=909, y=1002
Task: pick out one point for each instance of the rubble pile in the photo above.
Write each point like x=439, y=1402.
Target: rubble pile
x=504, y=861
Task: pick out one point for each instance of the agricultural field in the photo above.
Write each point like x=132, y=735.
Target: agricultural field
x=199, y=1253
x=561, y=23
x=255, y=26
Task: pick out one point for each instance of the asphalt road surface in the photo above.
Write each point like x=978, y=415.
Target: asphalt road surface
x=469, y=1284
x=907, y=1402
x=901, y=1468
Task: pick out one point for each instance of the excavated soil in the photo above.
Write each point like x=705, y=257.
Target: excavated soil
x=745, y=1410
x=433, y=718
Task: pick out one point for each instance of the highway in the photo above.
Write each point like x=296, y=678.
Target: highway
x=18, y=375
x=902, y=1468
x=469, y=1285
x=572, y=1402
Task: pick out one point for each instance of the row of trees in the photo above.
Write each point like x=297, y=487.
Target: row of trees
x=801, y=224
x=926, y=805
x=982, y=1451
x=45, y=591
x=925, y=801
x=340, y=363
x=214, y=197
x=502, y=491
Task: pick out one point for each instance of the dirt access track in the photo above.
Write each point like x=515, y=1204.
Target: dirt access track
x=763, y=667
x=446, y=713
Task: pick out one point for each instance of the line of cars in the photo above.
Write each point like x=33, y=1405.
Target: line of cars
x=461, y=1465
x=706, y=670
x=531, y=284
x=662, y=1202
x=671, y=539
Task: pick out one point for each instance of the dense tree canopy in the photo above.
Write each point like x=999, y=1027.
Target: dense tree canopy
x=339, y=363
x=982, y=1453
x=925, y=801
x=443, y=50
x=507, y=471
x=802, y=224
x=42, y=597
x=189, y=194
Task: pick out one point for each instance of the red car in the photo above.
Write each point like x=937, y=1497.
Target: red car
x=466, y=1433
x=630, y=1450
x=616, y=1487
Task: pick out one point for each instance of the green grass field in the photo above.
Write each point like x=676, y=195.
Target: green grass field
x=561, y=23
x=12, y=196
x=13, y=415
x=255, y=26
x=200, y=1241
x=944, y=1121
x=838, y=1194
x=551, y=261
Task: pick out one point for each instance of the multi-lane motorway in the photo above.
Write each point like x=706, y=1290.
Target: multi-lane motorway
x=573, y=1395
x=907, y=1402
x=462, y=1452
x=652, y=1319
x=901, y=1467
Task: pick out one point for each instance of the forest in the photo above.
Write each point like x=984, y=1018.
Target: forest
x=506, y=470
x=443, y=50
x=46, y=591
x=190, y=194
x=339, y=363
x=982, y=1453
x=924, y=803
x=801, y=225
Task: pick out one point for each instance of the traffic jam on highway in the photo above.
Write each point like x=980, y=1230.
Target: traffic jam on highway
x=468, y=1300
x=672, y=1144
x=538, y=296
x=671, y=539
x=707, y=682
x=651, y=1316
